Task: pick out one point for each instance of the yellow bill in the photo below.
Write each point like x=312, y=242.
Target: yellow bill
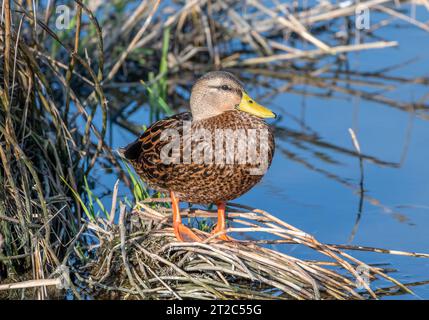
x=249, y=105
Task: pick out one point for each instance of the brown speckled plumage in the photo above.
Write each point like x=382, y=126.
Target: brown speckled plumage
x=192, y=182
x=197, y=183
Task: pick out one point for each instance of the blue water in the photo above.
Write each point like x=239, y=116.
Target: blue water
x=322, y=198
x=326, y=208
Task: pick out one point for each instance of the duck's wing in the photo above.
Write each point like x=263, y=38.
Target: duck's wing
x=145, y=153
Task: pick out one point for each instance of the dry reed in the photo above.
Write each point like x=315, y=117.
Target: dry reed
x=140, y=259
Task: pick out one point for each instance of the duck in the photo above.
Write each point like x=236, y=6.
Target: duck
x=211, y=155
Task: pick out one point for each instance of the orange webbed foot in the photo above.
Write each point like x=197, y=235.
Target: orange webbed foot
x=222, y=236
x=184, y=234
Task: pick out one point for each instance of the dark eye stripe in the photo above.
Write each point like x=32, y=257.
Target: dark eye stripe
x=228, y=88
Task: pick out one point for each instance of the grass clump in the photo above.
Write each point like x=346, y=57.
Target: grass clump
x=140, y=259
x=45, y=146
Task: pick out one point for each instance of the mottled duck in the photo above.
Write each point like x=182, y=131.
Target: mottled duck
x=211, y=155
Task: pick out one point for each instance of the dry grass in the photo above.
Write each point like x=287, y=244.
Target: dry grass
x=140, y=259
x=42, y=144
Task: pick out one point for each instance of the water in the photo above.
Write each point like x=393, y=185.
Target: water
x=322, y=197
x=319, y=204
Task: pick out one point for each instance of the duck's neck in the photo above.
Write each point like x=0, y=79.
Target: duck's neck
x=201, y=111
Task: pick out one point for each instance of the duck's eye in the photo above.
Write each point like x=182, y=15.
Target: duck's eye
x=225, y=87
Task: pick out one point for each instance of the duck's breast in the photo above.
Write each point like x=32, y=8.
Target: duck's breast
x=229, y=153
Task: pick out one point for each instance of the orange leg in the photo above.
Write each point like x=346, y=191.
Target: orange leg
x=221, y=224
x=181, y=232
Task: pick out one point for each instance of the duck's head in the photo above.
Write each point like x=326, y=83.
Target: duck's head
x=220, y=91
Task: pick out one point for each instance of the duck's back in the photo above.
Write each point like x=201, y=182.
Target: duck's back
x=193, y=158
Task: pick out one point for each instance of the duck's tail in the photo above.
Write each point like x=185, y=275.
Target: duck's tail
x=132, y=151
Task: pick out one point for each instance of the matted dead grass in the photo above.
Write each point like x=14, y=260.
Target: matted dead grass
x=140, y=259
